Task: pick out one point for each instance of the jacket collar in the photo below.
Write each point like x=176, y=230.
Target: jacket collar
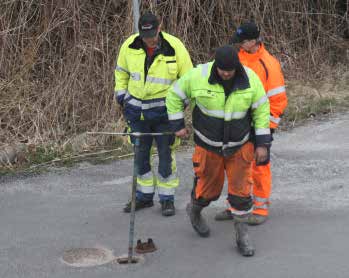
x=241, y=81
x=165, y=47
x=253, y=56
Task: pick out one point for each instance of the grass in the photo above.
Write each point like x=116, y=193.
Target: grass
x=298, y=112
x=310, y=99
x=58, y=57
x=38, y=159
x=305, y=100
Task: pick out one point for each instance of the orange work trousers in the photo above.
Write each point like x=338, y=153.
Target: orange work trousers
x=209, y=169
x=261, y=188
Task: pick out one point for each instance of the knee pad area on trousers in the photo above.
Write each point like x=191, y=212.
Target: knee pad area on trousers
x=203, y=202
x=240, y=203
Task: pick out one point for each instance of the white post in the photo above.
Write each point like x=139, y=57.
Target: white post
x=135, y=15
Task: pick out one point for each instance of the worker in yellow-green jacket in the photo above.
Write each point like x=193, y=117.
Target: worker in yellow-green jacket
x=230, y=116
x=147, y=65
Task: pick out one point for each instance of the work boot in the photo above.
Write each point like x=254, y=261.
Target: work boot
x=243, y=241
x=224, y=215
x=197, y=221
x=140, y=204
x=256, y=219
x=167, y=208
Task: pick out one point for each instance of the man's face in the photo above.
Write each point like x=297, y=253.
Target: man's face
x=153, y=41
x=226, y=75
x=247, y=45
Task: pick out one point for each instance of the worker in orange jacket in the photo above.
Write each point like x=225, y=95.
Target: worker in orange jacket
x=254, y=55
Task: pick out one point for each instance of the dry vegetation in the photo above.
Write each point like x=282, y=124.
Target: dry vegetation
x=57, y=56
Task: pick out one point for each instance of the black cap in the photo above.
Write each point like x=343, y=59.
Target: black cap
x=148, y=25
x=227, y=58
x=247, y=31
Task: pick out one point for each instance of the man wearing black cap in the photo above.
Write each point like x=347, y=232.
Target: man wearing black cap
x=147, y=65
x=254, y=55
x=227, y=102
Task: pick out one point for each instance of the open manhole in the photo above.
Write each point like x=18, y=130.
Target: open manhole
x=85, y=257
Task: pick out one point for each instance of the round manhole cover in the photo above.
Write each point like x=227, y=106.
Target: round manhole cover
x=85, y=257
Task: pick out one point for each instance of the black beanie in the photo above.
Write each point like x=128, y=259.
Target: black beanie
x=227, y=58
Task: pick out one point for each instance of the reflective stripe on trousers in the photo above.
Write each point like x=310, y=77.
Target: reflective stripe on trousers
x=145, y=183
x=240, y=212
x=165, y=179
x=166, y=186
x=261, y=176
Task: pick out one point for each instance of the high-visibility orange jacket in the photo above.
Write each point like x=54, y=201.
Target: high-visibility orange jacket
x=269, y=71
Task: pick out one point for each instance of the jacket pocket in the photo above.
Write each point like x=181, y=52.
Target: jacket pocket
x=199, y=160
x=247, y=152
x=172, y=68
x=204, y=93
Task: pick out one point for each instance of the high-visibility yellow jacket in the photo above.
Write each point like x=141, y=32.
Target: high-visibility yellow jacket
x=222, y=121
x=142, y=90
x=269, y=71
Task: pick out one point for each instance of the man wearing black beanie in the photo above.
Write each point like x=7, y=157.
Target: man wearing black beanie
x=230, y=114
x=226, y=65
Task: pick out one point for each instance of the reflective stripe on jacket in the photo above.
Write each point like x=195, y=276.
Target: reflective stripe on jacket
x=269, y=71
x=221, y=123
x=142, y=91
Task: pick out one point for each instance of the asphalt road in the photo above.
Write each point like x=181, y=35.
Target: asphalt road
x=307, y=234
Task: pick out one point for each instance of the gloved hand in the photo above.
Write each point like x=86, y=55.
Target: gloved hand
x=262, y=155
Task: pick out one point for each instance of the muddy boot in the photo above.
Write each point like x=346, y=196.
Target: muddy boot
x=197, y=221
x=167, y=208
x=243, y=241
x=224, y=215
x=140, y=204
x=256, y=219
